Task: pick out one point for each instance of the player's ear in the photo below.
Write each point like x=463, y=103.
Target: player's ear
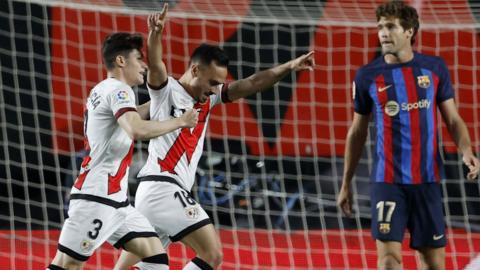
x=120, y=60
x=410, y=32
x=194, y=69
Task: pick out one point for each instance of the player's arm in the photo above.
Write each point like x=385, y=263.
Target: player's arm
x=144, y=110
x=157, y=71
x=459, y=132
x=265, y=79
x=356, y=137
x=139, y=129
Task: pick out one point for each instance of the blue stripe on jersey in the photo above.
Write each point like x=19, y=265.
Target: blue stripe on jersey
x=423, y=120
x=430, y=132
x=380, y=160
x=405, y=130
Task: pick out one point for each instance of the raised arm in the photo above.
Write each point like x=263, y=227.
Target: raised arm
x=157, y=71
x=459, y=132
x=357, y=134
x=264, y=79
x=139, y=129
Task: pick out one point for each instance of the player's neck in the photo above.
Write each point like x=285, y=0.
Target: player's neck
x=185, y=83
x=115, y=74
x=400, y=57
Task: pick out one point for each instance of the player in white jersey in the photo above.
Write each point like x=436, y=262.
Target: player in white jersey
x=163, y=194
x=99, y=209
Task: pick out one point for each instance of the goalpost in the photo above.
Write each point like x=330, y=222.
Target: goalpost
x=272, y=163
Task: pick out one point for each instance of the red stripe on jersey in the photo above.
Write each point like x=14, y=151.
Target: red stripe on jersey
x=435, y=131
x=114, y=180
x=415, y=136
x=186, y=142
x=124, y=110
x=387, y=131
x=81, y=177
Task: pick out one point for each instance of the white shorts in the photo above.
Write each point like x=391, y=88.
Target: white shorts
x=169, y=208
x=91, y=223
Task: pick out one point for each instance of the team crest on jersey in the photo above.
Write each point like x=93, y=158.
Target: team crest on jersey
x=392, y=108
x=423, y=81
x=122, y=95
x=384, y=228
x=192, y=212
x=87, y=245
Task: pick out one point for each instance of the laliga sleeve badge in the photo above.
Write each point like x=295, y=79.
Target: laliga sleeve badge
x=384, y=228
x=122, y=97
x=192, y=212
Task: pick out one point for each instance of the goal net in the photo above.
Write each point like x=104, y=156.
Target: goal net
x=272, y=163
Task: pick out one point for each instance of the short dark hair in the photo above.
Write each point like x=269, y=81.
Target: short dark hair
x=120, y=44
x=206, y=54
x=407, y=15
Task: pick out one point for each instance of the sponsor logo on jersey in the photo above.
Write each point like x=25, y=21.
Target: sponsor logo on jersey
x=392, y=108
x=87, y=245
x=384, y=228
x=192, y=212
x=437, y=237
x=423, y=81
x=421, y=104
x=381, y=89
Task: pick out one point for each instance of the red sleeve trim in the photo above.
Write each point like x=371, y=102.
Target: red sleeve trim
x=224, y=94
x=124, y=110
x=161, y=86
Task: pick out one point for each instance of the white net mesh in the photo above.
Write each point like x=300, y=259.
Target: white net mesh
x=272, y=163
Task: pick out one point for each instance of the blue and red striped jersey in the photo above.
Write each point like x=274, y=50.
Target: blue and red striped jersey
x=403, y=98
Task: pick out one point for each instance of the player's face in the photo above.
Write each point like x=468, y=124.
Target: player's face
x=393, y=38
x=135, y=68
x=206, y=80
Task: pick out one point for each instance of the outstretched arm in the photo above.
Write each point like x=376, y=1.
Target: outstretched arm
x=459, y=132
x=157, y=71
x=144, y=110
x=139, y=129
x=357, y=134
x=266, y=78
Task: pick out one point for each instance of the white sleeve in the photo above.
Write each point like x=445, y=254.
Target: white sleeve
x=121, y=101
x=162, y=91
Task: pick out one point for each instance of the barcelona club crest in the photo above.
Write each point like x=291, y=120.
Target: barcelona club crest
x=384, y=228
x=423, y=81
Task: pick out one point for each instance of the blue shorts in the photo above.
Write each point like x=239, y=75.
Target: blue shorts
x=417, y=208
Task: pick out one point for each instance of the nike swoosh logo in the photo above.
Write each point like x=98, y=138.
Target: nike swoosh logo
x=381, y=89
x=437, y=237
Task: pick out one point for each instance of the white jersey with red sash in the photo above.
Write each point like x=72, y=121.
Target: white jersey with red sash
x=177, y=153
x=104, y=171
